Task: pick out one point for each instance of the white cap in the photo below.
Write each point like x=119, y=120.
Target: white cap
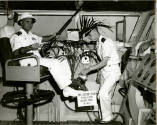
x=26, y=15
x=12, y=16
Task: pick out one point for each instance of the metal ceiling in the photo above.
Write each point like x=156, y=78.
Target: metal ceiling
x=87, y=6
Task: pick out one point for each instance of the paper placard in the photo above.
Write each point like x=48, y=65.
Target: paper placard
x=73, y=35
x=87, y=98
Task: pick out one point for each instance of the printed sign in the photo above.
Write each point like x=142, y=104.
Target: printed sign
x=87, y=98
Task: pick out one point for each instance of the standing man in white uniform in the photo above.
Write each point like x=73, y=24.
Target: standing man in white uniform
x=109, y=68
x=24, y=41
x=8, y=30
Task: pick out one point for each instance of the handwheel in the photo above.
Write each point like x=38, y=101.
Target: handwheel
x=18, y=100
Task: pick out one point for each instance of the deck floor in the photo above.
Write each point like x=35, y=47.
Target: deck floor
x=54, y=123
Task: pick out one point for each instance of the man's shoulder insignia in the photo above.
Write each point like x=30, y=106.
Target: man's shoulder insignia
x=103, y=40
x=18, y=33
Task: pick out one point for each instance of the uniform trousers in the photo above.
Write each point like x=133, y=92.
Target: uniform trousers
x=59, y=69
x=109, y=75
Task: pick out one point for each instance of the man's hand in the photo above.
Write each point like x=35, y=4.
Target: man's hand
x=56, y=35
x=35, y=46
x=50, y=37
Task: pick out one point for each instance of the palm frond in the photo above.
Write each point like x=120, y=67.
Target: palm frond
x=105, y=26
x=89, y=23
x=92, y=22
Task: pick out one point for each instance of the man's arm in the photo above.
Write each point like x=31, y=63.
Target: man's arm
x=47, y=38
x=22, y=50
x=98, y=66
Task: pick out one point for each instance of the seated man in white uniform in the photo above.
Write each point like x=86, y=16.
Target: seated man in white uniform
x=8, y=30
x=24, y=41
x=108, y=67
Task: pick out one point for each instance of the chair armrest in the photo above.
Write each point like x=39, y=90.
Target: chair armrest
x=23, y=57
x=22, y=73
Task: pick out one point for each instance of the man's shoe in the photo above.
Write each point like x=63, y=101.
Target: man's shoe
x=78, y=84
x=106, y=120
x=102, y=122
x=97, y=120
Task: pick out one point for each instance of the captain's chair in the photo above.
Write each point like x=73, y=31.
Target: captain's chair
x=27, y=76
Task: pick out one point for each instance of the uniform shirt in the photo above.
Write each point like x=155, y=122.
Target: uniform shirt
x=7, y=31
x=107, y=48
x=23, y=39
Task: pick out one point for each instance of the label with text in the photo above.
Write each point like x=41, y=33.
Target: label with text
x=87, y=98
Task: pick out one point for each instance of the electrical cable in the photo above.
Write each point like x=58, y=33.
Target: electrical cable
x=114, y=90
x=123, y=92
x=91, y=121
x=95, y=115
x=69, y=107
x=77, y=65
x=118, y=114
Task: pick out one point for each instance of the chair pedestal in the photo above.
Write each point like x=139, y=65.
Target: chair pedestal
x=29, y=91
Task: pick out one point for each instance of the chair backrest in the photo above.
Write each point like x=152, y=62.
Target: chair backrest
x=5, y=53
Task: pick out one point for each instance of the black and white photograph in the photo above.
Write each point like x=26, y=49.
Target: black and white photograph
x=78, y=62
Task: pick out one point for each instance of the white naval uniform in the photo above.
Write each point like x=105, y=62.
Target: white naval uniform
x=7, y=31
x=59, y=69
x=109, y=75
